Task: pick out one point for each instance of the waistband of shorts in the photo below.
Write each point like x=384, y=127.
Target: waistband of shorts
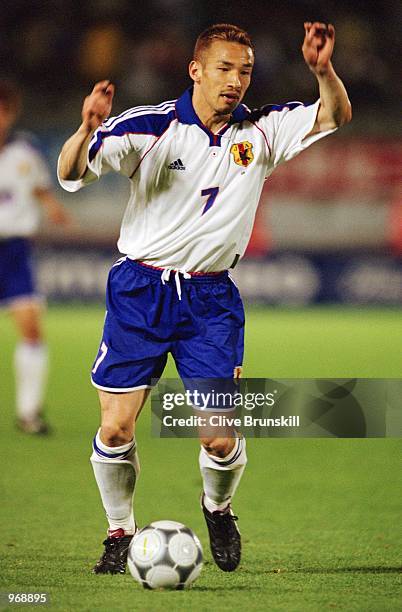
x=156, y=272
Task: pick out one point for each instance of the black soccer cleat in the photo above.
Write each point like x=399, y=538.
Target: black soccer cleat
x=224, y=537
x=114, y=558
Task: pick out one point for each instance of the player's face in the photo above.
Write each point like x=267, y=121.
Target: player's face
x=224, y=75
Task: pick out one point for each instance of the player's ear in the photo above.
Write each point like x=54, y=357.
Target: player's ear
x=195, y=70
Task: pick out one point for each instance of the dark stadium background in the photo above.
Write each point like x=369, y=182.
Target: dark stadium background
x=330, y=223
x=322, y=281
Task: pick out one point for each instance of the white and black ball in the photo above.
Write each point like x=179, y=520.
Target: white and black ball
x=165, y=555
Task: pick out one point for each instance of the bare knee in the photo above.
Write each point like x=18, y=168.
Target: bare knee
x=116, y=434
x=119, y=413
x=33, y=336
x=27, y=317
x=218, y=447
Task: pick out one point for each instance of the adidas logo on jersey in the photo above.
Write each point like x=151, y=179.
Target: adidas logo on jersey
x=177, y=165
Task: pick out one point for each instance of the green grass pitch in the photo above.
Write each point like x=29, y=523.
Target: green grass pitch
x=320, y=518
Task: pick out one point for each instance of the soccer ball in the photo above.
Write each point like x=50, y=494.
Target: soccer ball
x=166, y=555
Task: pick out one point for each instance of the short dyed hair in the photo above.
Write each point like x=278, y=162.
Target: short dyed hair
x=221, y=31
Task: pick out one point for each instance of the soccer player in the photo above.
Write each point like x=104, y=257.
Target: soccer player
x=196, y=166
x=25, y=188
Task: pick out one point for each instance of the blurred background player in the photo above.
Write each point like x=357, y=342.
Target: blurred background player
x=25, y=189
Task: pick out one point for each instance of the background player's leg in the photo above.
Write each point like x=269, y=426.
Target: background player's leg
x=30, y=363
x=114, y=458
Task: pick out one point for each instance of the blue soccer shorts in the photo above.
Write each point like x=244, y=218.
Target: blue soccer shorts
x=199, y=320
x=16, y=273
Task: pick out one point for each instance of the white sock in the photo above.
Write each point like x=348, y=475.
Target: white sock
x=31, y=365
x=116, y=470
x=221, y=476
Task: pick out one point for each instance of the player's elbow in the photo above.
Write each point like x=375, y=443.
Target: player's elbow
x=332, y=118
x=66, y=173
x=349, y=113
x=345, y=116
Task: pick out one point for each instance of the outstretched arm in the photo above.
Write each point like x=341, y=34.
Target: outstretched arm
x=318, y=45
x=96, y=108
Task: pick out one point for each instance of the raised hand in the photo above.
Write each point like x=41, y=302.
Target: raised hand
x=318, y=45
x=98, y=105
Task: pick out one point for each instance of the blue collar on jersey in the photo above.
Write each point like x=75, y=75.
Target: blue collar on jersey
x=186, y=114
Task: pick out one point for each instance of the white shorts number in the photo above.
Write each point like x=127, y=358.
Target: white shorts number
x=103, y=352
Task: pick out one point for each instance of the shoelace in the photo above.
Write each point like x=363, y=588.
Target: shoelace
x=224, y=522
x=112, y=543
x=165, y=276
x=115, y=550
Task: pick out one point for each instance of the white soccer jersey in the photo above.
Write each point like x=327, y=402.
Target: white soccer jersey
x=194, y=194
x=22, y=170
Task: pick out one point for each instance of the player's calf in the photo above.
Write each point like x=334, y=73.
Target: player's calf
x=221, y=476
x=116, y=470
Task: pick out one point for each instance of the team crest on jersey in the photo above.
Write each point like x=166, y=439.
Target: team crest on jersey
x=242, y=153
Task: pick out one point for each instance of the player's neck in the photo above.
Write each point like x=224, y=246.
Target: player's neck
x=212, y=120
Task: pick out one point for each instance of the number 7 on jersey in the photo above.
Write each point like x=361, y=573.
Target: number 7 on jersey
x=212, y=192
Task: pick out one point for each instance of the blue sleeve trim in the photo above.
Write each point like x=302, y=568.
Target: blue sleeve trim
x=150, y=124
x=265, y=110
